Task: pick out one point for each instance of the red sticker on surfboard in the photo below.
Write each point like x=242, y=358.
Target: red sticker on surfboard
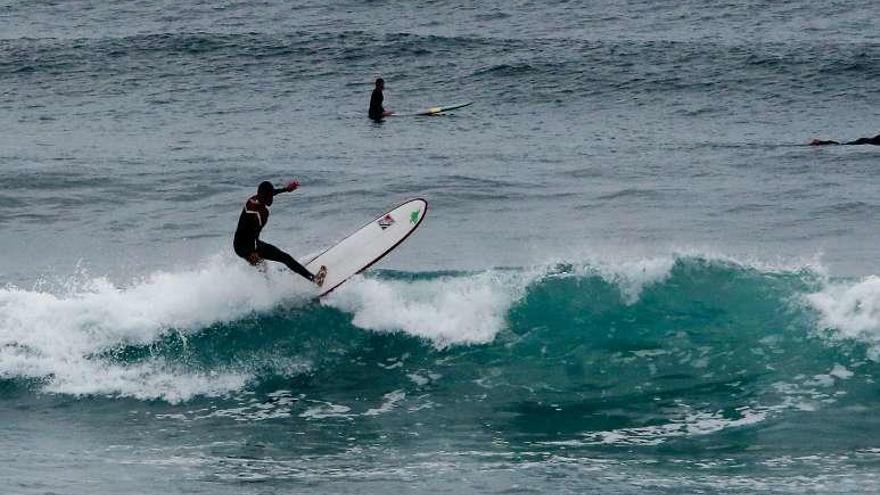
x=386, y=222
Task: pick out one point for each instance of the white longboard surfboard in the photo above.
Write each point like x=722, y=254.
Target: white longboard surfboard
x=369, y=244
x=433, y=110
x=439, y=110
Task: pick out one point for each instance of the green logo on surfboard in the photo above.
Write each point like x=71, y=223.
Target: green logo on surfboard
x=414, y=217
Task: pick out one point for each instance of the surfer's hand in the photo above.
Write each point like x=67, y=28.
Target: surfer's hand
x=292, y=185
x=254, y=258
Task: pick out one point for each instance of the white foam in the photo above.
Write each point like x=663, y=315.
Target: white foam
x=841, y=372
x=471, y=309
x=422, y=377
x=448, y=310
x=850, y=309
x=631, y=277
x=633, y=274
x=788, y=264
x=278, y=404
x=390, y=401
x=56, y=337
x=694, y=423
x=327, y=410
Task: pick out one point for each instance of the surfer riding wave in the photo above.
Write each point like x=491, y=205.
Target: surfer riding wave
x=253, y=218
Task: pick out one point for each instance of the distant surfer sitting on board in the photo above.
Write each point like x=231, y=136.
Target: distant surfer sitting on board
x=872, y=140
x=377, y=111
x=253, y=218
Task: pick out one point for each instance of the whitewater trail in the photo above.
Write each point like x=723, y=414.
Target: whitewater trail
x=56, y=338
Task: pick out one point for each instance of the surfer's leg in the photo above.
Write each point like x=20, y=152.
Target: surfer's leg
x=272, y=253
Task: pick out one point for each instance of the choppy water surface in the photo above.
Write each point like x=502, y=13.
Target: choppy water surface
x=634, y=278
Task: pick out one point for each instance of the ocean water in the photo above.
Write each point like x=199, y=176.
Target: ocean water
x=634, y=278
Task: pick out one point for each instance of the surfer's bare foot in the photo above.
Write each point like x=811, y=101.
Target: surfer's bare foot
x=254, y=259
x=319, y=277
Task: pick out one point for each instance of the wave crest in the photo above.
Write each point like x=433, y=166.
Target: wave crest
x=223, y=326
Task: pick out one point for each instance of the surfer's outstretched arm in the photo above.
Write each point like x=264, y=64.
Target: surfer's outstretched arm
x=290, y=187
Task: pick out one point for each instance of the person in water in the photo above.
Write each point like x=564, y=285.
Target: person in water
x=253, y=218
x=377, y=111
x=871, y=140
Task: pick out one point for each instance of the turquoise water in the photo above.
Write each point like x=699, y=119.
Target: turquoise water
x=633, y=278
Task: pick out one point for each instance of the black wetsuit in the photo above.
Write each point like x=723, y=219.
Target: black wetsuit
x=247, y=241
x=871, y=140
x=376, y=110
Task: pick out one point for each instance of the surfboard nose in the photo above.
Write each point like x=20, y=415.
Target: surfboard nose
x=367, y=245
